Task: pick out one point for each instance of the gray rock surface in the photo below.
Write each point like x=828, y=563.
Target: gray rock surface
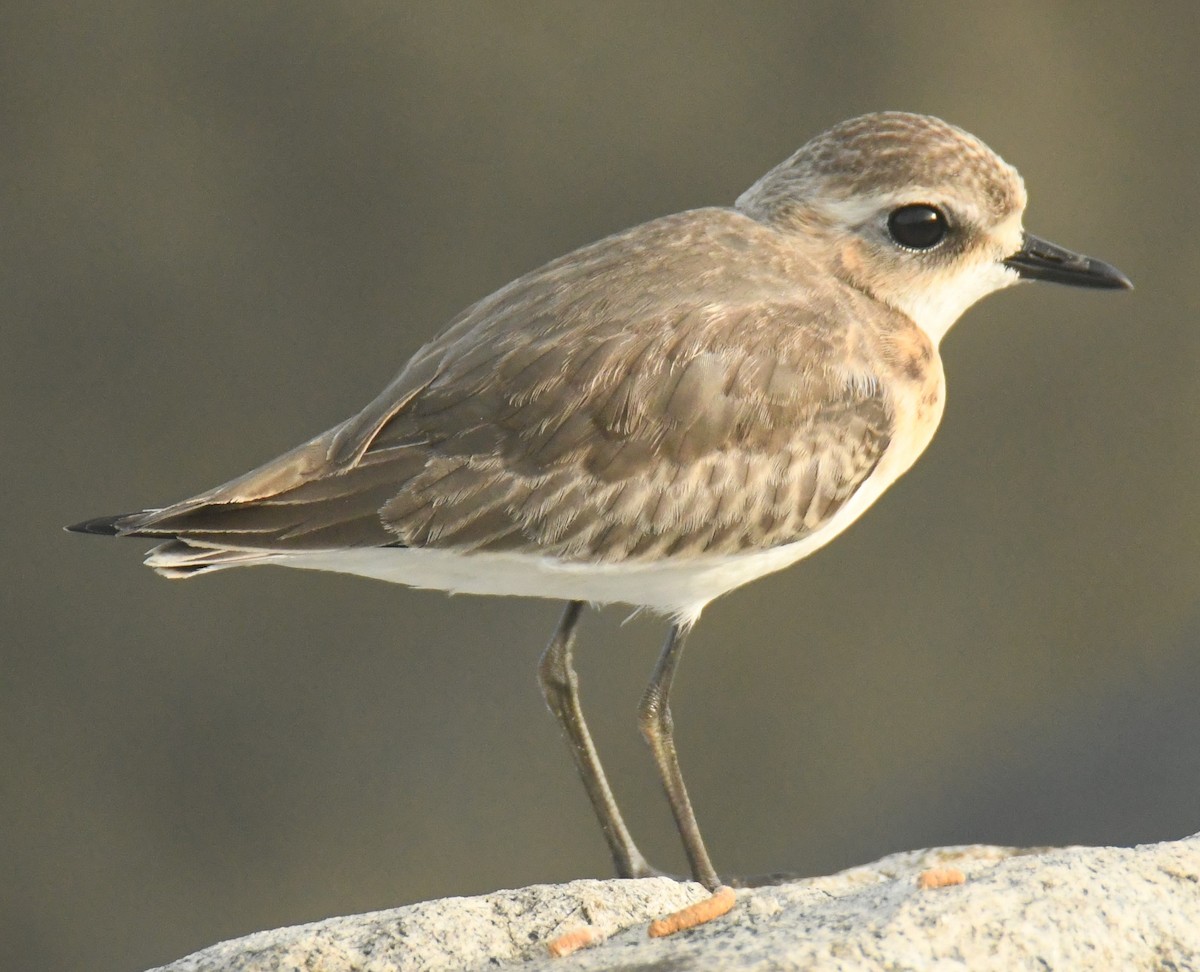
x=1075, y=908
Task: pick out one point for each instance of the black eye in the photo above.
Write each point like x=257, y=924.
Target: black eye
x=918, y=227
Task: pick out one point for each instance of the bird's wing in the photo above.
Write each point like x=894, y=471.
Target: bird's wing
x=661, y=393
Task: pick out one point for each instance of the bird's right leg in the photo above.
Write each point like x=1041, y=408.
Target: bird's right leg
x=560, y=687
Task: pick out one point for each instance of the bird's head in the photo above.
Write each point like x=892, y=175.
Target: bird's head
x=916, y=212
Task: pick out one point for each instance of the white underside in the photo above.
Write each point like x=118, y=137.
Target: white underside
x=680, y=590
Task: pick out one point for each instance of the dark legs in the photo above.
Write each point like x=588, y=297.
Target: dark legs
x=560, y=686
x=654, y=718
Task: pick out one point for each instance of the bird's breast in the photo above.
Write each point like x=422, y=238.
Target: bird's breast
x=917, y=387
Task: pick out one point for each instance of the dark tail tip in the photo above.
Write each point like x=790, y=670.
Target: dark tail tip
x=101, y=526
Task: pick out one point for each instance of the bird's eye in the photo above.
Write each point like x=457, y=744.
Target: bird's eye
x=918, y=227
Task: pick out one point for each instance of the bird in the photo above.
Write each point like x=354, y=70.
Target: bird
x=657, y=418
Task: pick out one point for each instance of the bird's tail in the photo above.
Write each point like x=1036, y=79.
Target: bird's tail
x=178, y=557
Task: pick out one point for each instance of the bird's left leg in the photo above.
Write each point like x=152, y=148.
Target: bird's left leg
x=654, y=719
x=560, y=687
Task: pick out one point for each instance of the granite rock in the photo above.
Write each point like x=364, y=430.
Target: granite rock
x=957, y=908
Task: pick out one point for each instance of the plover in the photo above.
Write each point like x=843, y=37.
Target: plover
x=659, y=417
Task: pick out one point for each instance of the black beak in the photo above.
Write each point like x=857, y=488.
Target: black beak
x=1040, y=260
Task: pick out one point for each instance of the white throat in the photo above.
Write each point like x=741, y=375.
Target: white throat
x=935, y=309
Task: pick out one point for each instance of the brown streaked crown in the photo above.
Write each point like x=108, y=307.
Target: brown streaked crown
x=885, y=153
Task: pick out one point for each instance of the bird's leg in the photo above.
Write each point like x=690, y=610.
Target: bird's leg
x=560, y=686
x=654, y=718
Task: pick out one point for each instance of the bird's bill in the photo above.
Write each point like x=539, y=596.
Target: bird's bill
x=1039, y=259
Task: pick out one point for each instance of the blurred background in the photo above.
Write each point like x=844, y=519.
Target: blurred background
x=226, y=225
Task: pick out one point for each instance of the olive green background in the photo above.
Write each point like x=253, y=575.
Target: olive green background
x=226, y=225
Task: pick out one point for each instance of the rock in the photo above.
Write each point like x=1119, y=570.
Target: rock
x=1075, y=908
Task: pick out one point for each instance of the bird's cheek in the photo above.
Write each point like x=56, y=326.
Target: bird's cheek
x=852, y=260
x=861, y=267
